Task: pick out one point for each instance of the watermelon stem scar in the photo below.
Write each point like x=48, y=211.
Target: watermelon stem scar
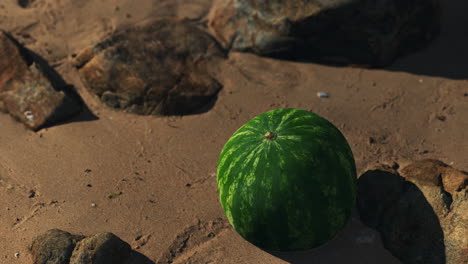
x=270, y=135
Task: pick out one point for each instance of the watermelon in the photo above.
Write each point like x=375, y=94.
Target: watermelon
x=287, y=180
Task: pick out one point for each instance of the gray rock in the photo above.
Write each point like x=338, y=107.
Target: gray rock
x=53, y=247
x=30, y=91
x=337, y=31
x=158, y=67
x=423, y=216
x=103, y=248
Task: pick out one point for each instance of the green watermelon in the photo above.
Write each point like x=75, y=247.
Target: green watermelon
x=287, y=180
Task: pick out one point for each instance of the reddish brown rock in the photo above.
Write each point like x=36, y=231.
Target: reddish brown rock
x=30, y=91
x=158, y=67
x=336, y=31
x=423, y=216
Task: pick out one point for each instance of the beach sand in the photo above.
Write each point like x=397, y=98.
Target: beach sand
x=165, y=166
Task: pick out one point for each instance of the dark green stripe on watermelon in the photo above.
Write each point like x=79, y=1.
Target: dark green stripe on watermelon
x=287, y=180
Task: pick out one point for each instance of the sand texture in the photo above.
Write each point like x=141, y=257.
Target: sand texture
x=160, y=171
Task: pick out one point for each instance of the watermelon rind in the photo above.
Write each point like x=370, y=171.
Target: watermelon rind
x=287, y=180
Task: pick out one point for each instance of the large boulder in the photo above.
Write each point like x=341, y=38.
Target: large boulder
x=158, y=67
x=421, y=214
x=31, y=91
x=337, y=31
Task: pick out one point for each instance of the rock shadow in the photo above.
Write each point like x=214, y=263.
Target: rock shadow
x=24, y=3
x=84, y=114
x=409, y=227
x=361, y=42
x=447, y=55
x=205, y=108
x=138, y=258
x=444, y=56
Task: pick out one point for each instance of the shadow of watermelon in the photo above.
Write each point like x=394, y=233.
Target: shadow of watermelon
x=392, y=223
x=356, y=243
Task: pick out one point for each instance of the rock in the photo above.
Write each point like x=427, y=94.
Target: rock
x=446, y=190
x=422, y=217
x=60, y=247
x=103, y=248
x=336, y=31
x=53, y=247
x=158, y=67
x=30, y=91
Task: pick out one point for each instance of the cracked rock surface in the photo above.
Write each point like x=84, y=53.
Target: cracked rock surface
x=158, y=67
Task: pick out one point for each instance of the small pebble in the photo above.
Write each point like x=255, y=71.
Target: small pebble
x=32, y=194
x=93, y=205
x=114, y=195
x=421, y=80
x=322, y=95
x=451, y=163
x=17, y=255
